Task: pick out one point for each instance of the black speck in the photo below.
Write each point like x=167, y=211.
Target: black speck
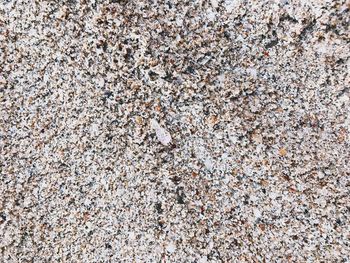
x=158, y=207
x=107, y=245
x=115, y=122
x=271, y=44
x=161, y=223
x=190, y=70
x=227, y=35
x=168, y=77
x=128, y=56
x=176, y=179
x=118, y=1
x=109, y=137
x=180, y=197
x=153, y=75
x=104, y=46
x=287, y=17
x=3, y=216
x=235, y=242
x=307, y=29
x=246, y=200
x=108, y=93
x=332, y=28
x=340, y=61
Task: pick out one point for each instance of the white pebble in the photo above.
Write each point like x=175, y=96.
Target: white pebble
x=171, y=247
x=162, y=134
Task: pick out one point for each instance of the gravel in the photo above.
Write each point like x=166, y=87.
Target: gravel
x=174, y=131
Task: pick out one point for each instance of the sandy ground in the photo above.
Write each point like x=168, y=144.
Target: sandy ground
x=174, y=131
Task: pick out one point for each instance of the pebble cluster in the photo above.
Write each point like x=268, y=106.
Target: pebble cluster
x=174, y=131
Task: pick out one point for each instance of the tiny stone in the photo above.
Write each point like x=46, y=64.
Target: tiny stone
x=162, y=134
x=171, y=247
x=282, y=152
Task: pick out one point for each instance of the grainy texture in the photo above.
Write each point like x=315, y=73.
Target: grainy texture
x=255, y=97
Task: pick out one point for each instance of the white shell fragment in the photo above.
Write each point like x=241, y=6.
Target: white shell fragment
x=214, y=3
x=171, y=247
x=205, y=157
x=162, y=134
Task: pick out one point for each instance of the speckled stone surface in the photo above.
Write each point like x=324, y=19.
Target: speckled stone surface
x=174, y=131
